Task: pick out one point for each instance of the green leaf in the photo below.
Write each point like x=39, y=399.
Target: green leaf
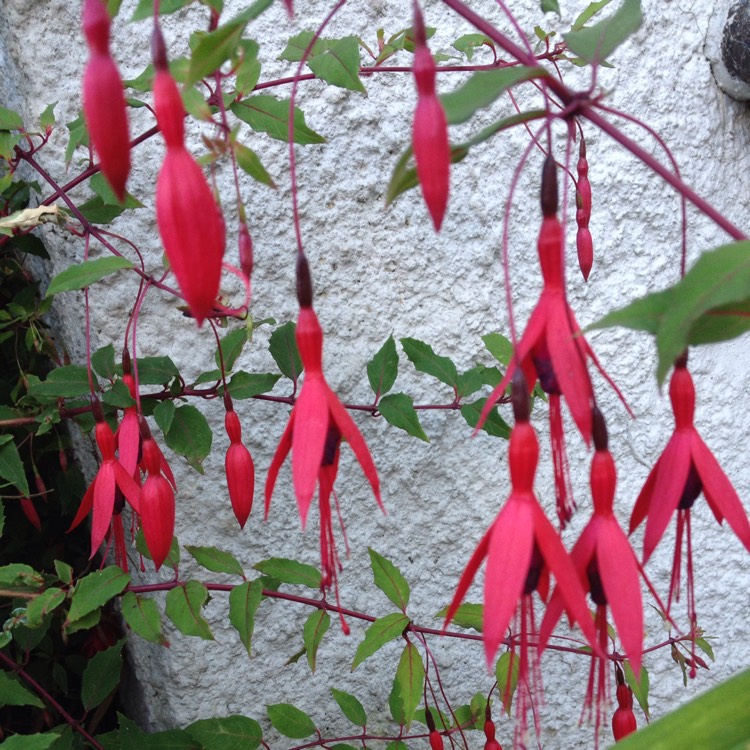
x=467, y=616
x=94, y=591
x=350, y=707
x=145, y=8
x=250, y=384
x=101, y=187
x=339, y=64
x=29, y=741
x=718, y=719
x=40, y=606
x=290, y=571
x=84, y=274
x=227, y=733
x=290, y=721
x=211, y=49
x=78, y=136
x=156, y=370
x=173, y=558
x=721, y=323
x=472, y=380
x=644, y=314
x=13, y=693
x=410, y=679
x=266, y=114
x=8, y=143
x=482, y=89
x=164, y=415
x=20, y=576
x=639, y=687
x=551, y=6
x=216, y=560
x=184, y=604
x=283, y=348
x=243, y=604
x=596, y=43
x=103, y=361
x=507, y=670
x=588, y=13
x=250, y=164
x=142, y=616
x=64, y=572
x=425, y=360
x=10, y=120
x=382, y=369
x=102, y=675
x=499, y=346
x=312, y=634
x=98, y=211
x=118, y=396
x=389, y=580
x=397, y=745
x=705, y=646
x=380, y=632
x=11, y=467
x=398, y=410
x=469, y=43
x=248, y=69
x=68, y=381
x=296, y=46
x=189, y=435
x=494, y=425
x=47, y=118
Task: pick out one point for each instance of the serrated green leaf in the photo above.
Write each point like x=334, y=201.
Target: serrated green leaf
x=184, y=604
x=12, y=468
x=467, y=616
x=10, y=120
x=20, y=576
x=94, y=591
x=98, y=211
x=640, y=687
x=469, y=43
x=68, y=381
x=118, y=396
x=216, y=560
x=595, y=44
x=283, y=348
x=189, y=435
x=227, y=733
x=290, y=721
x=211, y=49
x=350, y=707
x=249, y=384
x=507, y=670
x=290, y=571
x=389, y=579
x=78, y=136
x=195, y=104
x=380, y=632
x=142, y=616
x=243, y=604
x=644, y=314
x=705, y=646
x=47, y=118
x=13, y=693
x=84, y=274
x=156, y=370
x=102, y=675
x=231, y=347
x=298, y=44
x=101, y=187
x=382, y=369
x=250, y=163
x=314, y=629
x=164, y=414
x=40, y=606
x=103, y=361
x=339, y=64
x=410, y=679
x=8, y=143
x=472, y=380
x=398, y=409
x=64, y=572
x=266, y=114
x=499, y=346
x=425, y=360
x=494, y=425
x=247, y=70
x=588, y=13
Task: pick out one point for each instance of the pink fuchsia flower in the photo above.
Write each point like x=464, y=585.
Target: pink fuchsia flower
x=623, y=719
x=104, y=101
x=553, y=349
x=432, y=151
x=239, y=466
x=522, y=549
x=684, y=470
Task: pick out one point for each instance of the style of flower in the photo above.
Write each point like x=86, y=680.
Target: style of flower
x=608, y=571
x=553, y=349
x=522, y=548
x=190, y=222
x=684, y=470
x=104, y=101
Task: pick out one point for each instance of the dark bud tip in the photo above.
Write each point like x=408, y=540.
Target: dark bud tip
x=582, y=148
x=520, y=397
x=420, y=34
x=599, y=430
x=682, y=360
x=144, y=428
x=96, y=409
x=619, y=676
x=158, y=48
x=430, y=721
x=304, y=282
x=228, y=405
x=126, y=362
x=549, y=188
x=488, y=712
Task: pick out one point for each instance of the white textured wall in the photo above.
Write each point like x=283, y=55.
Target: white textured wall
x=383, y=271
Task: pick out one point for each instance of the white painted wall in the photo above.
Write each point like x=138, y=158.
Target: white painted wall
x=383, y=271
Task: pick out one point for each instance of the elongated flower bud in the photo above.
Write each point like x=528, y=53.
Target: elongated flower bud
x=240, y=470
x=157, y=507
x=104, y=103
x=246, y=251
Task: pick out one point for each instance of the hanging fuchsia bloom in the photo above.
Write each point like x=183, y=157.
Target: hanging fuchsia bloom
x=522, y=549
x=104, y=101
x=128, y=435
x=316, y=427
x=239, y=466
x=100, y=496
x=684, y=470
x=623, y=719
x=553, y=348
x=432, y=151
x=609, y=572
x=190, y=222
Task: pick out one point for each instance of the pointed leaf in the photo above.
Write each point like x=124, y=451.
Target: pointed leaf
x=389, y=579
x=243, y=604
x=68, y=381
x=290, y=721
x=398, y=410
x=283, y=348
x=156, y=370
x=380, y=632
x=382, y=369
x=189, y=435
x=410, y=679
x=339, y=64
x=494, y=424
x=102, y=675
x=84, y=274
x=350, y=707
x=595, y=44
x=40, y=606
x=11, y=467
x=184, y=604
x=639, y=687
x=103, y=361
x=251, y=384
x=290, y=571
x=425, y=360
x=551, y=6
x=250, y=163
x=95, y=590
x=227, y=733
x=298, y=44
x=141, y=614
x=10, y=120
x=13, y=693
x=507, y=670
x=231, y=348
x=643, y=314
x=266, y=114
x=216, y=560
x=314, y=629
x=469, y=43
x=29, y=741
x=466, y=616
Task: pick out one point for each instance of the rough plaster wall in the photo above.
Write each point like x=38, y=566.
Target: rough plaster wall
x=383, y=271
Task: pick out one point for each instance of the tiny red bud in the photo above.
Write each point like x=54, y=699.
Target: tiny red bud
x=436, y=740
x=246, y=251
x=623, y=723
x=27, y=506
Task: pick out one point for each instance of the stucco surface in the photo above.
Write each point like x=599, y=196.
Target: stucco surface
x=382, y=271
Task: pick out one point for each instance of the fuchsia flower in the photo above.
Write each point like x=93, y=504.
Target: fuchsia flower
x=313, y=435
x=190, y=222
x=239, y=466
x=684, y=470
x=553, y=348
x=522, y=549
x=432, y=151
x=608, y=571
x=104, y=101
x=623, y=719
